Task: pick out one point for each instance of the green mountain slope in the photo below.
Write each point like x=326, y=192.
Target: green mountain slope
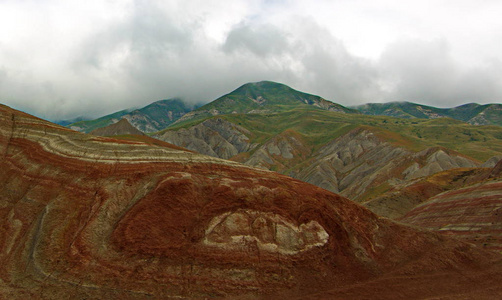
x=476, y=114
x=262, y=98
x=151, y=118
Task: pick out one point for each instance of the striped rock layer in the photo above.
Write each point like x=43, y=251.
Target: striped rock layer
x=85, y=217
x=473, y=214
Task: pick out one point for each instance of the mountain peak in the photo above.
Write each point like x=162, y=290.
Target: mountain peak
x=262, y=97
x=264, y=84
x=268, y=87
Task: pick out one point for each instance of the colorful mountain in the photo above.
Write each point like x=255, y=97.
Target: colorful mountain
x=88, y=217
x=472, y=214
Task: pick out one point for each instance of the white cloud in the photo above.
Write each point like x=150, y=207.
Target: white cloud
x=427, y=72
x=60, y=59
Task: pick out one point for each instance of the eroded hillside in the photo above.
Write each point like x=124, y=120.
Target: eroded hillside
x=360, y=157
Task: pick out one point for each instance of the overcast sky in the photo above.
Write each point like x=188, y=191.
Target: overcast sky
x=62, y=59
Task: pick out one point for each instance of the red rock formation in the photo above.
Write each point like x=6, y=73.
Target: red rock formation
x=473, y=214
x=91, y=217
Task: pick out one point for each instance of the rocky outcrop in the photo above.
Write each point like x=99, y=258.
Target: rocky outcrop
x=213, y=137
x=98, y=218
x=122, y=127
x=280, y=152
x=269, y=232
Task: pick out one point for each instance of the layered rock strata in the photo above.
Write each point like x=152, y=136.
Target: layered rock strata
x=403, y=198
x=85, y=217
x=473, y=214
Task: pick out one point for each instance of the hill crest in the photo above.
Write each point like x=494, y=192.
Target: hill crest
x=121, y=127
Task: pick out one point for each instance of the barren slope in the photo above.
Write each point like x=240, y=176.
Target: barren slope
x=402, y=198
x=90, y=217
x=473, y=214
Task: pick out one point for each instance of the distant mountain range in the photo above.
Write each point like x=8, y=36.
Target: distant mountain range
x=472, y=113
x=361, y=152
x=268, y=97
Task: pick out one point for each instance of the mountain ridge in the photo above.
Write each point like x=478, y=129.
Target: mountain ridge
x=472, y=113
x=265, y=97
